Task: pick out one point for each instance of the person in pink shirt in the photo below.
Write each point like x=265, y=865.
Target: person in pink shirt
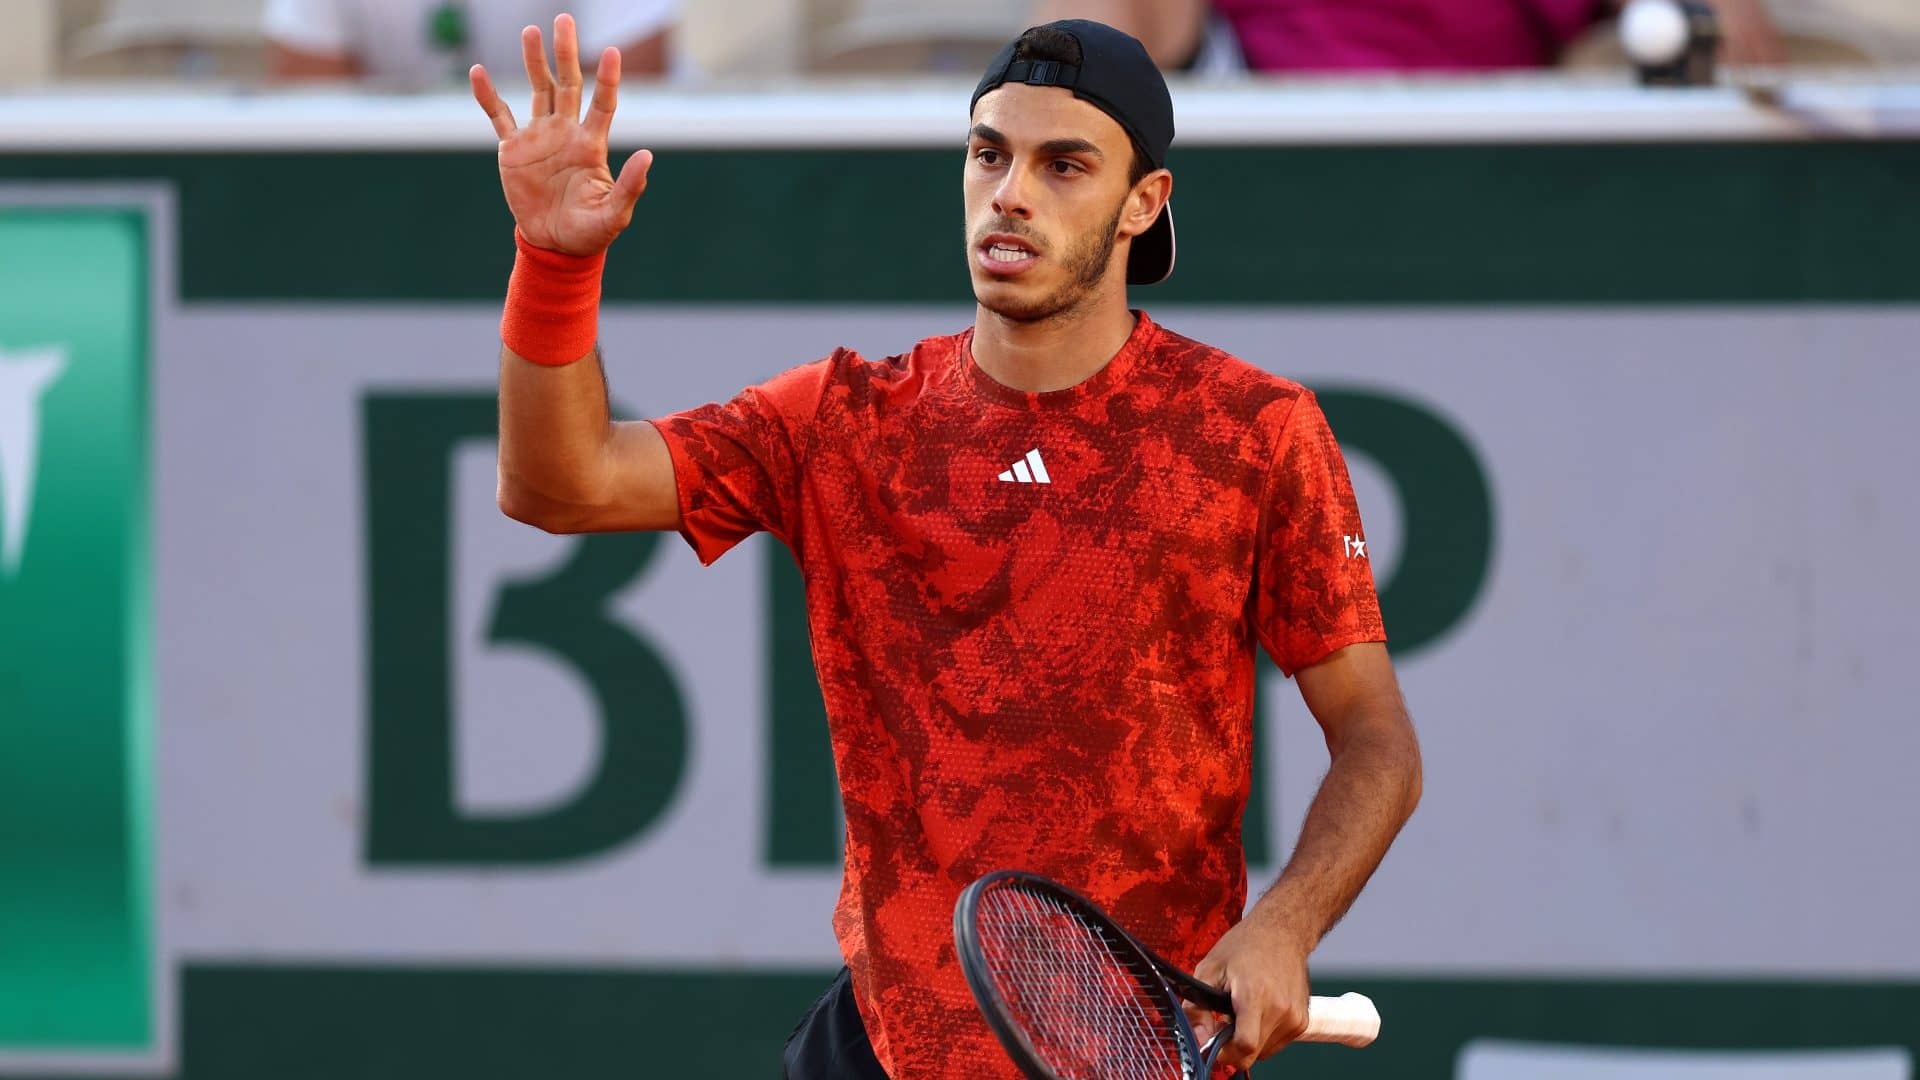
x=1322, y=36
x=1405, y=35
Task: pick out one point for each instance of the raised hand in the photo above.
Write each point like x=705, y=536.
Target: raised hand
x=563, y=195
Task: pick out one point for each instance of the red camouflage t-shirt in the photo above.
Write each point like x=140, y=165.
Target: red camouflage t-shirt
x=1033, y=618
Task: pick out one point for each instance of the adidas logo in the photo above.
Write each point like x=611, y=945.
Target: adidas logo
x=1028, y=470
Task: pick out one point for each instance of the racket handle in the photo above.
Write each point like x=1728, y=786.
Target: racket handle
x=1349, y=1019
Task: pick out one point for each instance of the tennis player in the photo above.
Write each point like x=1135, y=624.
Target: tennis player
x=1039, y=556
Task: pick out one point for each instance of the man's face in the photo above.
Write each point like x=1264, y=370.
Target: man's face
x=1047, y=195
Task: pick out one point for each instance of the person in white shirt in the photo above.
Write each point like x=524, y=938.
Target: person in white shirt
x=430, y=44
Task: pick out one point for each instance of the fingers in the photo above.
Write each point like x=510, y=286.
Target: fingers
x=1210, y=971
x=606, y=94
x=566, y=60
x=633, y=178
x=539, y=75
x=628, y=188
x=1204, y=1023
x=1246, y=1045
x=489, y=99
x=1265, y=1020
x=1266, y=1028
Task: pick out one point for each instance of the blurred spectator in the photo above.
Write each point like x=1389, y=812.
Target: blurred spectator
x=1471, y=35
x=1180, y=35
x=1749, y=36
x=900, y=36
x=1349, y=35
x=27, y=48
x=1406, y=35
x=1811, y=32
x=157, y=39
x=426, y=44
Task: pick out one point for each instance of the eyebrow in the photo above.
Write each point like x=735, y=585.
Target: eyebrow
x=1072, y=146
x=1051, y=146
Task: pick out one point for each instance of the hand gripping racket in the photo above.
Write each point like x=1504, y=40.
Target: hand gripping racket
x=1072, y=996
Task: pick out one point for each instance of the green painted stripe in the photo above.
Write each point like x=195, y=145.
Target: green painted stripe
x=243, y=1023
x=1827, y=222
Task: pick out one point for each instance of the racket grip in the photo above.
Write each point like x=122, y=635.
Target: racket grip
x=1349, y=1019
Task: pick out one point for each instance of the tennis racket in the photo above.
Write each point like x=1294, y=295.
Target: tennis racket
x=1073, y=996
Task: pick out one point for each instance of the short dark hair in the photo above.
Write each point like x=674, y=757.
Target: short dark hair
x=1049, y=43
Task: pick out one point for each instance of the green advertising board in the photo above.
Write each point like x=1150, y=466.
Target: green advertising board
x=275, y=247
x=76, y=929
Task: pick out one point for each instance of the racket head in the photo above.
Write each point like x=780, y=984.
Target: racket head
x=1068, y=992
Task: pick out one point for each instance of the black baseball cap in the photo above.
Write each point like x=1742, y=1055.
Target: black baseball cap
x=1116, y=76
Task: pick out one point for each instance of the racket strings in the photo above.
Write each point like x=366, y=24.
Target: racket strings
x=1089, y=1008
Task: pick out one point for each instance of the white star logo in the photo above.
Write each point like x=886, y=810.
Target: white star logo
x=24, y=379
x=1356, y=547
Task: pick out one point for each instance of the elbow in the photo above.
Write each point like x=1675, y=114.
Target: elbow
x=1386, y=746
x=1412, y=771
x=1416, y=781
x=521, y=506
x=521, y=503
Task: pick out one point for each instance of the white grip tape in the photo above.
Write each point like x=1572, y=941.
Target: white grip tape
x=1350, y=1019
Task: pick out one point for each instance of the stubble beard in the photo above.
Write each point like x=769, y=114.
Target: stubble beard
x=1086, y=264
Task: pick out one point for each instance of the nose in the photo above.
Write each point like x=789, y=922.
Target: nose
x=1010, y=197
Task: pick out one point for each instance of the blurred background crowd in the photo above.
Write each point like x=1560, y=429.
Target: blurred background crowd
x=424, y=45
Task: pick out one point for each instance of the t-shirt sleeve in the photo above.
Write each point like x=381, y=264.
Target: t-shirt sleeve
x=317, y=26
x=1313, y=573
x=738, y=465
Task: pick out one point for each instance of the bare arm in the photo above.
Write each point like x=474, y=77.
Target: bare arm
x=1170, y=29
x=1749, y=34
x=289, y=64
x=1369, y=791
x=647, y=57
x=564, y=465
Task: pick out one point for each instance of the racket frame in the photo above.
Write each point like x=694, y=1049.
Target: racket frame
x=1174, y=984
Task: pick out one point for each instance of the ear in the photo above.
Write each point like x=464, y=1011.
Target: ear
x=1144, y=204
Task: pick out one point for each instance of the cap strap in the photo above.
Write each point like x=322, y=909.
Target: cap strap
x=1043, y=73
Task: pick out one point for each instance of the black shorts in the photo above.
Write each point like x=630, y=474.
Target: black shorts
x=831, y=1042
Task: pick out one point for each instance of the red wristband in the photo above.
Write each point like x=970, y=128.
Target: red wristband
x=553, y=304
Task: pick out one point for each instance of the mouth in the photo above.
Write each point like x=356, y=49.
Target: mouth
x=1004, y=255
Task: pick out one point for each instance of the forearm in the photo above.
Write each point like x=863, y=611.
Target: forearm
x=290, y=64
x=554, y=424
x=647, y=57
x=555, y=436
x=1369, y=792
x=1170, y=29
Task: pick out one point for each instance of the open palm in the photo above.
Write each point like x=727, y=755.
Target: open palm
x=554, y=171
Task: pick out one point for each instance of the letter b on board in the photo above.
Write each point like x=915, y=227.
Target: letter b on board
x=409, y=442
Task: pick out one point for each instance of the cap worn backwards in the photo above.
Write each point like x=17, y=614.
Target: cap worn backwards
x=1116, y=76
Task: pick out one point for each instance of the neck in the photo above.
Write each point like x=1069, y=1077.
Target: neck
x=1055, y=353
